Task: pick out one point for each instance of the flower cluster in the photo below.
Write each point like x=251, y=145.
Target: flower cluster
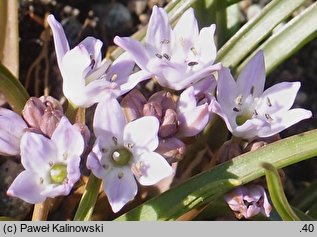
x=138, y=137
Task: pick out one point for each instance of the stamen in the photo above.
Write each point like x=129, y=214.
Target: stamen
x=114, y=77
x=255, y=113
x=104, y=150
x=194, y=50
x=65, y=155
x=239, y=100
x=268, y=117
x=51, y=163
x=115, y=140
x=236, y=109
x=167, y=56
x=130, y=145
x=41, y=180
x=268, y=101
x=120, y=175
x=190, y=64
x=105, y=166
x=92, y=63
x=252, y=90
x=159, y=56
x=165, y=41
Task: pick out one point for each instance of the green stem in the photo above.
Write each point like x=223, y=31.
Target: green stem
x=88, y=200
x=71, y=111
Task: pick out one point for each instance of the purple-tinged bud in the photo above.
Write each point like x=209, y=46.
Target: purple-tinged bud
x=228, y=150
x=153, y=109
x=169, y=124
x=50, y=121
x=172, y=149
x=84, y=131
x=165, y=99
x=260, y=142
x=52, y=103
x=248, y=201
x=132, y=105
x=33, y=112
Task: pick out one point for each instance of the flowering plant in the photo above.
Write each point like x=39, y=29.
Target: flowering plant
x=159, y=127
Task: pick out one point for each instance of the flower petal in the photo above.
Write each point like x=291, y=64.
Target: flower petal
x=206, y=45
x=284, y=120
x=142, y=134
x=27, y=187
x=135, y=49
x=109, y=118
x=68, y=140
x=37, y=152
x=153, y=169
x=12, y=127
x=252, y=77
x=280, y=97
x=186, y=29
x=120, y=187
x=132, y=80
x=60, y=40
x=192, y=122
x=159, y=28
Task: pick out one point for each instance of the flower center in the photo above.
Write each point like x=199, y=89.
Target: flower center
x=121, y=156
x=58, y=173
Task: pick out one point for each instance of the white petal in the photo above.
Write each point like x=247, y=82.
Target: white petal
x=37, y=152
x=153, y=169
x=68, y=140
x=284, y=120
x=60, y=40
x=120, y=187
x=280, y=97
x=252, y=77
x=27, y=187
x=109, y=118
x=132, y=80
x=206, y=45
x=142, y=134
x=186, y=29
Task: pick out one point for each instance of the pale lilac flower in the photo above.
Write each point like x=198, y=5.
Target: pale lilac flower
x=194, y=107
x=85, y=77
x=124, y=151
x=51, y=165
x=178, y=57
x=248, y=111
x=12, y=127
x=248, y=201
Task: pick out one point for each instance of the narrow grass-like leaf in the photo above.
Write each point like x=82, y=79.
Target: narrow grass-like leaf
x=294, y=35
x=255, y=30
x=245, y=168
x=277, y=194
x=305, y=199
x=13, y=90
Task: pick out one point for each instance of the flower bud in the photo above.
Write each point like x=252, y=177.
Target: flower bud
x=165, y=99
x=51, y=102
x=50, y=121
x=33, y=112
x=260, y=142
x=172, y=149
x=248, y=201
x=153, y=109
x=169, y=124
x=132, y=105
x=228, y=150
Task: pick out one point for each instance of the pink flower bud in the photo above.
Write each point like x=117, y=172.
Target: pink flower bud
x=169, y=124
x=132, y=105
x=33, y=112
x=50, y=121
x=165, y=99
x=153, y=109
x=172, y=149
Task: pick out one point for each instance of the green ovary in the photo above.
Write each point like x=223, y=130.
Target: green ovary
x=58, y=173
x=121, y=156
x=242, y=118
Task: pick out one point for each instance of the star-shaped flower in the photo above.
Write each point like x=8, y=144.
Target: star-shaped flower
x=248, y=111
x=51, y=165
x=125, y=151
x=178, y=57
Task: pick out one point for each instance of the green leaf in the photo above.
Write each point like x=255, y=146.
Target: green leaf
x=277, y=194
x=13, y=90
x=255, y=30
x=292, y=37
x=305, y=199
x=244, y=168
